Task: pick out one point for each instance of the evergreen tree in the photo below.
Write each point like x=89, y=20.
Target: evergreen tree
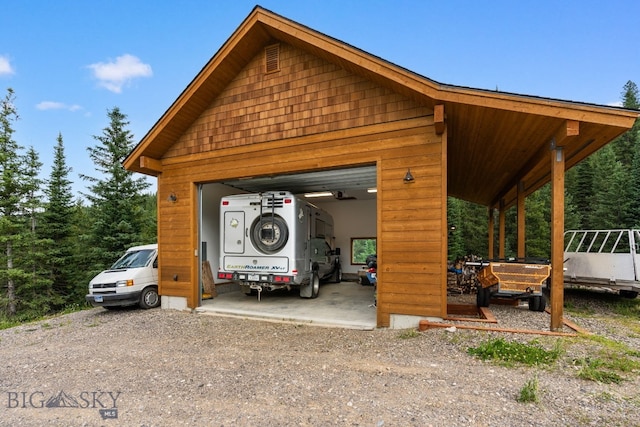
x=582, y=192
x=610, y=184
x=19, y=206
x=10, y=197
x=624, y=145
x=116, y=195
x=57, y=226
x=149, y=232
x=36, y=294
x=474, y=229
x=454, y=219
x=538, y=224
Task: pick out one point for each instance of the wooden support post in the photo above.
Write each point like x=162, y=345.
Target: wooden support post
x=491, y=237
x=501, y=229
x=521, y=221
x=557, y=239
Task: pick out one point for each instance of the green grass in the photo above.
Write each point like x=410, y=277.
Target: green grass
x=11, y=322
x=510, y=353
x=529, y=393
x=610, y=362
x=409, y=333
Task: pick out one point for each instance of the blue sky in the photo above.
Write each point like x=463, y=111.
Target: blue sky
x=69, y=62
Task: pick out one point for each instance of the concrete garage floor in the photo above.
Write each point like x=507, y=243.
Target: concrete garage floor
x=345, y=305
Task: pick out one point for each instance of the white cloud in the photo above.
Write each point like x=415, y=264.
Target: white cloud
x=115, y=74
x=52, y=105
x=5, y=66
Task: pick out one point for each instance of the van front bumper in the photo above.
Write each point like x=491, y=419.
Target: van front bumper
x=113, y=300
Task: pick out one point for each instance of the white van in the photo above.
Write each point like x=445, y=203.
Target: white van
x=131, y=280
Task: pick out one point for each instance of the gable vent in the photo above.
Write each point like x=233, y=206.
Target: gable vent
x=272, y=58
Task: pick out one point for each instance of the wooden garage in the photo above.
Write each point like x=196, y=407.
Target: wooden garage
x=280, y=98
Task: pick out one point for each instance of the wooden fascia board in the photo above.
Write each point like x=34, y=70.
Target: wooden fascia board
x=544, y=107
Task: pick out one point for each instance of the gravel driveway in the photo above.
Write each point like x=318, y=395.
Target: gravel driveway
x=168, y=368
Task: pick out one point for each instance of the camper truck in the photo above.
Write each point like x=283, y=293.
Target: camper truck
x=273, y=240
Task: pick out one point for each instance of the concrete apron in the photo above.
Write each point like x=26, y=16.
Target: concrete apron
x=343, y=305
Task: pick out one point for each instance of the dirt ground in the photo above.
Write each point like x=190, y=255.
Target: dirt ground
x=168, y=368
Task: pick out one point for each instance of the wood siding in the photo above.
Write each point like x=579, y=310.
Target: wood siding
x=307, y=96
x=313, y=115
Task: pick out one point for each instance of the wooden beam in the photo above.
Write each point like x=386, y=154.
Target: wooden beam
x=557, y=239
x=150, y=163
x=521, y=221
x=501, y=230
x=491, y=237
x=438, y=118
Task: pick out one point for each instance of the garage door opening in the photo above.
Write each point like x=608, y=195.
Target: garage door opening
x=349, y=196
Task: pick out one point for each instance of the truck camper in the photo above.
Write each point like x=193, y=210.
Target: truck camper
x=274, y=240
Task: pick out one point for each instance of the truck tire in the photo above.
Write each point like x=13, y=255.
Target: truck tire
x=542, y=304
x=269, y=233
x=337, y=273
x=315, y=285
x=483, y=297
x=628, y=294
x=537, y=303
x=149, y=298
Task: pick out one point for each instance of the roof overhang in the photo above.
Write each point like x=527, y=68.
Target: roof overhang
x=495, y=140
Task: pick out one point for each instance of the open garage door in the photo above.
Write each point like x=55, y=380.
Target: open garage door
x=349, y=196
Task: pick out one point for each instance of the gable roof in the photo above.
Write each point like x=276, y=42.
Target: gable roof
x=495, y=139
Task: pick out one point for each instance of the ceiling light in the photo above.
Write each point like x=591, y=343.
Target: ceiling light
x=319, y=194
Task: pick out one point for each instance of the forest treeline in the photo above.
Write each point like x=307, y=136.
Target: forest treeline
x=601, y=192
x=52, y=244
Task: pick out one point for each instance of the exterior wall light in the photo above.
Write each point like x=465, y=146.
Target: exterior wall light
x=408, y=177
x=172, y=198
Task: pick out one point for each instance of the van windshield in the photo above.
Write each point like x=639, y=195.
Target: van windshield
x=134, y=259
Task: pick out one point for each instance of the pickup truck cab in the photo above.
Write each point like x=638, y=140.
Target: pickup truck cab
x=131, y=280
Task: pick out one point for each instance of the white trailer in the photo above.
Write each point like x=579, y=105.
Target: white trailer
x=274, y=240
x=606, y=259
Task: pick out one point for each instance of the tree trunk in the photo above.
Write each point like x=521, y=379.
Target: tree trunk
x=11, y=291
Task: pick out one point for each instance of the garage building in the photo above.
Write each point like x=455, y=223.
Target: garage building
x=280, y=104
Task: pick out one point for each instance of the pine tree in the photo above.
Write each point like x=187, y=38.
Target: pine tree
x=116, y=196
x=10, y=196
x=57, y=223
x=624, y=146
x=36, y=294
x=610, y=184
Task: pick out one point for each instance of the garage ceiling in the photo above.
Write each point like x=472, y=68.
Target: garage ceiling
x=344, y=183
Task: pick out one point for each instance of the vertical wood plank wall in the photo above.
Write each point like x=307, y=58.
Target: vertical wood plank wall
x=314, y=115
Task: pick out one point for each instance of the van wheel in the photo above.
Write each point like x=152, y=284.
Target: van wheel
x=149, y=298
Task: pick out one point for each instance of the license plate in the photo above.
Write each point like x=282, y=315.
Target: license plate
x=97, y=298
x=254, y=277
